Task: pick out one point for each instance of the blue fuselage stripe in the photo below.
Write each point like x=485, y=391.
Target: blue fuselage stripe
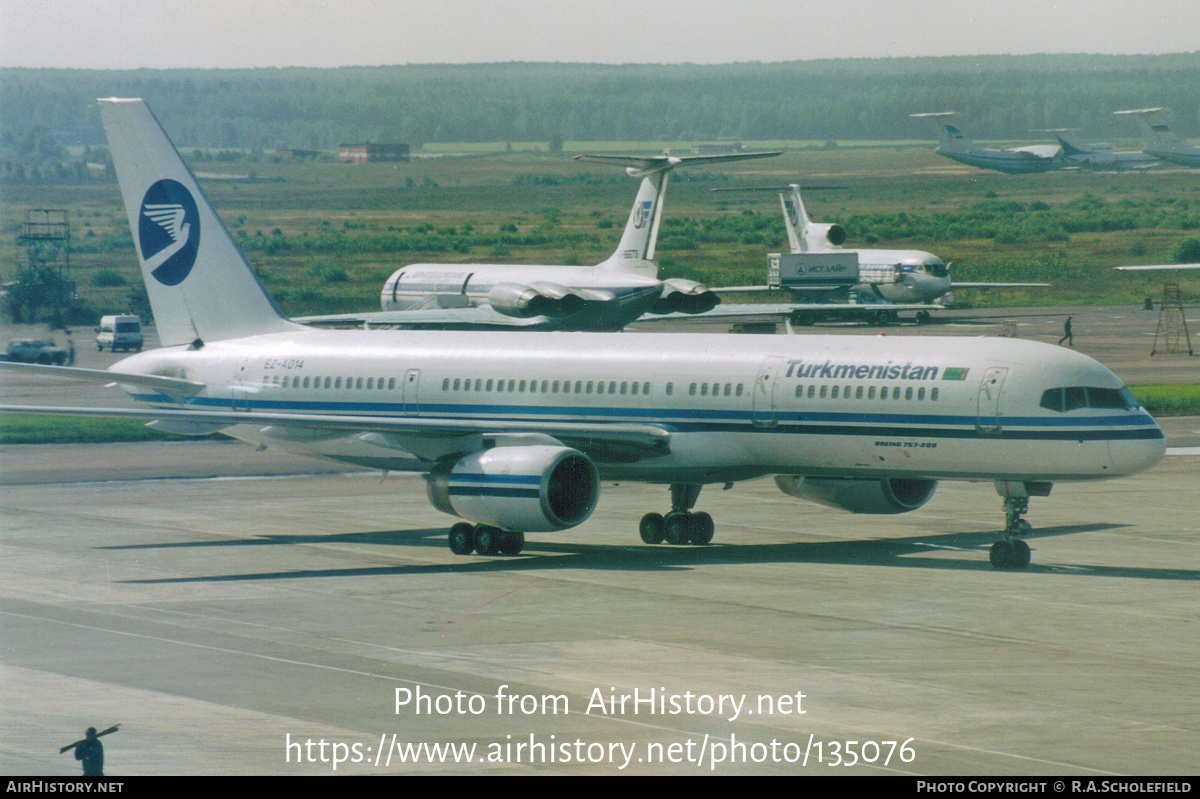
x=695, y=420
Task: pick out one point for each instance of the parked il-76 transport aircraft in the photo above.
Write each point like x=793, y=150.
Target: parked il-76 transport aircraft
x=515, y=431
x=604, y=297
x=953, y=144
x=889, y=281
x=1077, y=153
x=1164, y=143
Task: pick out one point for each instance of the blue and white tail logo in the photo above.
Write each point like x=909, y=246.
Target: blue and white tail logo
x=169, y=232
x=640, y=212
x=793, y=214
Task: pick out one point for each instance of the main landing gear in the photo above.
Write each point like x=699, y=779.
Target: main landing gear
x=1010, y=552
x=680, y=526
x=484, y=539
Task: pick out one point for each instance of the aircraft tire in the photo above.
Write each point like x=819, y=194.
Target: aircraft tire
x=676, y=528
x=512, y=542
x=702, y=528
x=651, y=528
x=803, y=319
x=462, y=539
x=1010, y=554
x=488, y=539
x=1020, y=555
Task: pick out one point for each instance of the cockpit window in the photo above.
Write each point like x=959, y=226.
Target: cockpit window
x=937, y=269
x=1111, y=398
x=1074, y=397
x=1071, y=397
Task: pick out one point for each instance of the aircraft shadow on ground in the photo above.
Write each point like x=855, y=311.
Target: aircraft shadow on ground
x=921, y=552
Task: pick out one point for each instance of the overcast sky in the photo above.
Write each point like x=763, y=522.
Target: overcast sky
x=126, y=34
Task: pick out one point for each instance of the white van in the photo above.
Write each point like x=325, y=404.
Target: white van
x=119, y=333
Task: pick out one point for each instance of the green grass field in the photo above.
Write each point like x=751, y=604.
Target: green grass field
x=325, y=238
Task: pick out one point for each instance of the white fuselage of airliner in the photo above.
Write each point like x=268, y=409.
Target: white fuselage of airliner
x=734, y=407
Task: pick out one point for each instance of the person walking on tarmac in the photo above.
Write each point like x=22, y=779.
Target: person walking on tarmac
x=91, y=752
x=1067, y=337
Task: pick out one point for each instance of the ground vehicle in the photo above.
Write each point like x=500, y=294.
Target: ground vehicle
x=31, y=350
x=119, y=333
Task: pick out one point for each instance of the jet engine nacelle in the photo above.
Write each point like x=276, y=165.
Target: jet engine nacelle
x=533, y=489
x=685, y=296
x=889, y=495
x=534, y=299
x=822, y=235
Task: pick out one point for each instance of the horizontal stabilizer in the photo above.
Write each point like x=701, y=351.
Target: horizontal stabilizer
x=656, y=163
x=169, y=385
x=471, y=317
x=779, y=188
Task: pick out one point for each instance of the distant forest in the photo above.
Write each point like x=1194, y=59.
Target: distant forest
x=999, y=97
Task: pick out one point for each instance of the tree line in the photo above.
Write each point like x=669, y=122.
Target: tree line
x=999, y=97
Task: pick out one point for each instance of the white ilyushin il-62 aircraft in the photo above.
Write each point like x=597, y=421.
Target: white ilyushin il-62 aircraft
x=1164, y=143
x=889, y=281
x=604, y=297
x=953, y=144
x=515, y=431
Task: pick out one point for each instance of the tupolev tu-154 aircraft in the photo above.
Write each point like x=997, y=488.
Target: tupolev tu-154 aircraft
x=890, y=280
x=604, y=297
x=515, y=430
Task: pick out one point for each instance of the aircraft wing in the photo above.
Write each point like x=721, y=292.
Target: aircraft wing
x=787, y=309
x=605, y=442
x=957, y=285
x=743, y=289
x=1043, y=151
x=439, y=318
x=1156, y=267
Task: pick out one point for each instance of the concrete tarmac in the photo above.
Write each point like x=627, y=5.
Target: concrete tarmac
x=243, y=612
x=220, y=615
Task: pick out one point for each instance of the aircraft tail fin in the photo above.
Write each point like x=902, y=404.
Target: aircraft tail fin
x=948, y=134
x=635, y=251
x=1154, y=122
x=803, y=234
x=795, y=217
x=1070, y=143
x=199, y=283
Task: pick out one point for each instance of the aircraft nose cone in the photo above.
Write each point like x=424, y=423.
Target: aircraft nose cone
x=1130, y=456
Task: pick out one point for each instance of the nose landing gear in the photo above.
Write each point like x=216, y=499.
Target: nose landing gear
x=1010, y=552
